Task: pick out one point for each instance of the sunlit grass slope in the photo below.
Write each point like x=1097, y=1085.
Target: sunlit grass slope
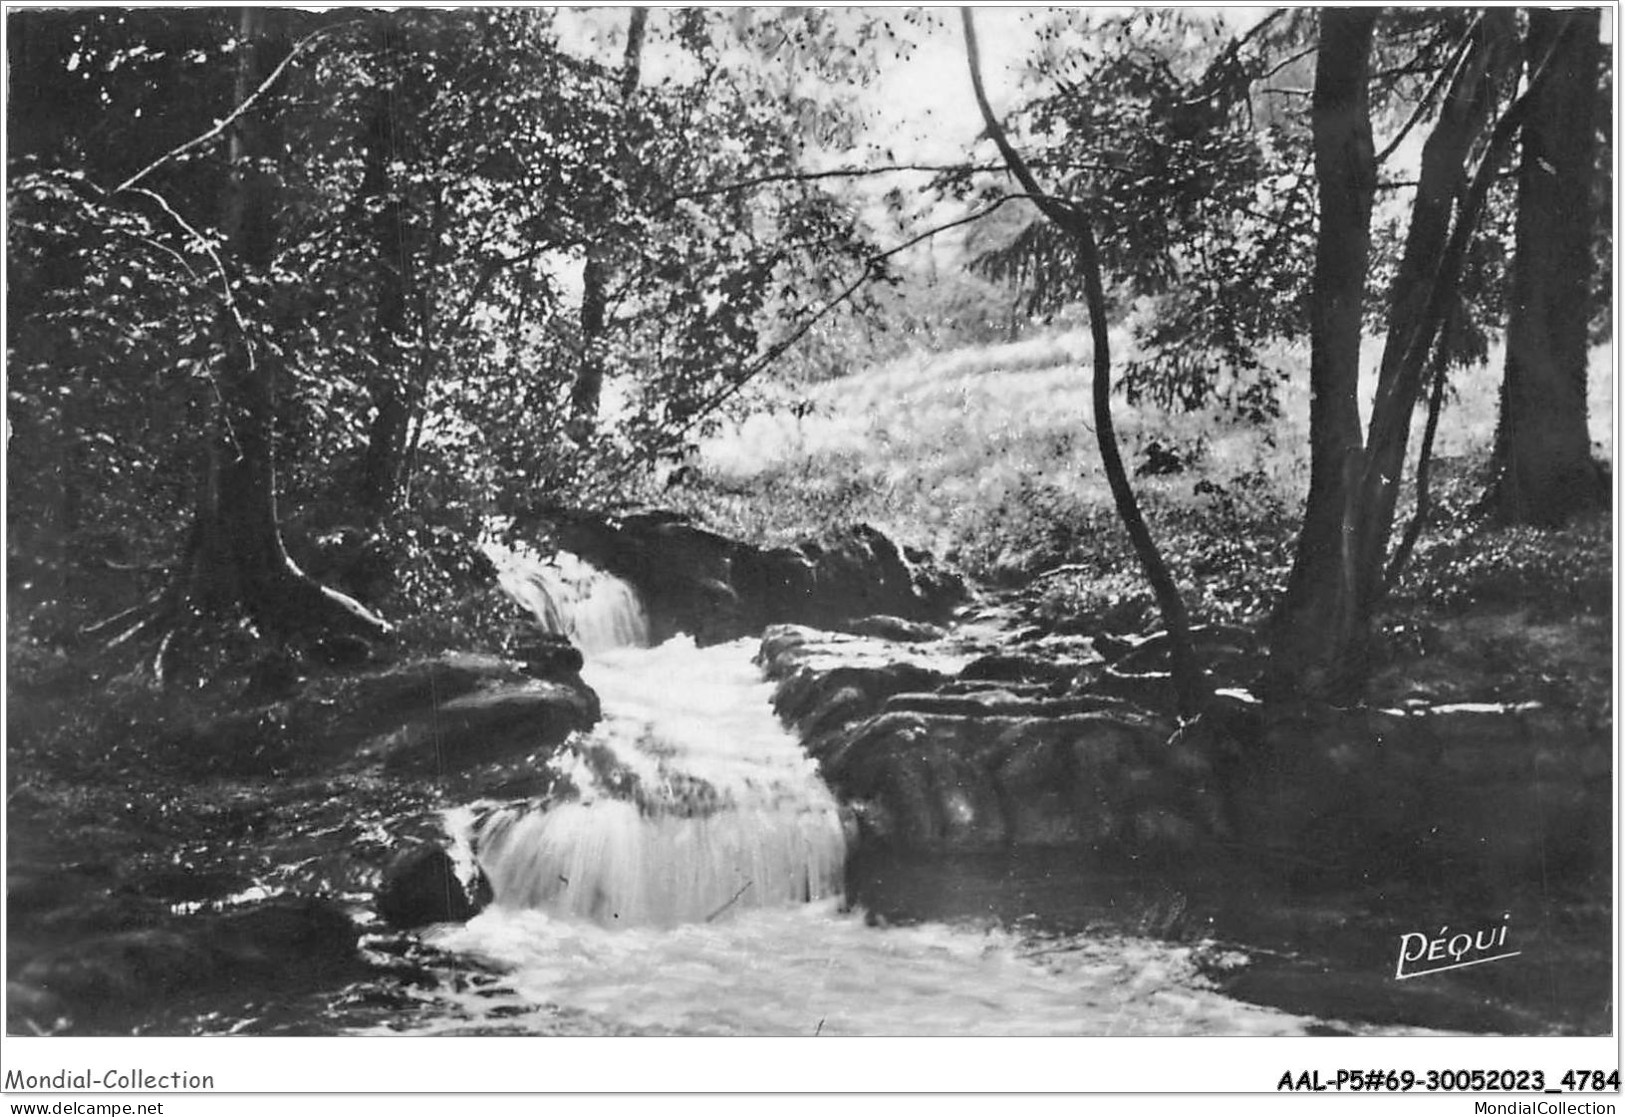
x=987, y=456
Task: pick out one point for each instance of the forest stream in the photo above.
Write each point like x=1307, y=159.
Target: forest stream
x=947, y=616
x=694, y=884
x=678, y=863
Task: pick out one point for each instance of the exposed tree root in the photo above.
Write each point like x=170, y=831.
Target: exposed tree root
x=143, y=608
x=205, y=620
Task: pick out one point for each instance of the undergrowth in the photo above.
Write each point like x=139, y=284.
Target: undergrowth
x=986, y=457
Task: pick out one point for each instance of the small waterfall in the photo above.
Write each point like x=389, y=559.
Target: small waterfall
x=569, y=597
x=690, y=800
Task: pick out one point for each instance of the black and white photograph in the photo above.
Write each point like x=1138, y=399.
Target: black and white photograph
x=811, y=522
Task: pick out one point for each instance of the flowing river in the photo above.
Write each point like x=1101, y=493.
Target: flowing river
x=694, y=882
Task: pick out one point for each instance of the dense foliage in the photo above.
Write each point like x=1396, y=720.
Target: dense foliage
x=1191, y=139
x=1231, y=221
x=517, y=257
x=440, y=178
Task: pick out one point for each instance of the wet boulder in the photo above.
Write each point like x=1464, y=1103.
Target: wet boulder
x=421, y=886
x=1101, y=781
x=305, y=934
x=495, y=723
x=338, y=712
x=883, y=627
x=545, y=655
x=1023, y=667
x=1003, y=750
x=825, y=681
x=715, y=588
x=860, y=572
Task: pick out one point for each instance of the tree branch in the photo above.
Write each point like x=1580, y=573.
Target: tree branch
x=131, y=185
x=868, y=172
x=1254, y=32
x=1287, y=61
x=992, y=207
x=227, y=293
x=220, y=126
x=1424, y=473
x=871, y=268
x=164, y=248
x=1447, y=73
x=1063, y=213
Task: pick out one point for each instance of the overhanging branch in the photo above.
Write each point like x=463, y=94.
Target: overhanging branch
x=1447, y=74
x=871, y=269
x=754, y=181
x=220, y=126
x=1190, y=686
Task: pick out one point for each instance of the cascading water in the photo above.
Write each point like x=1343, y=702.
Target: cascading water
x=667, y=893
x=690, y=799
x=571, y=598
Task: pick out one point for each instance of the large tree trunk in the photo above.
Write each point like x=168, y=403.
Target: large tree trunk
x=1321, y=636
x=588, y=389
x=1543, y=470
x=1318, y=637
x=237, y=558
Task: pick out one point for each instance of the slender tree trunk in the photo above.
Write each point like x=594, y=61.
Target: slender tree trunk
x=1318, y=635
x=1423, y=291
x=387, y=434
x=1190, y=683
x=589, y=385
x=1424, y=470
x=1543, y=470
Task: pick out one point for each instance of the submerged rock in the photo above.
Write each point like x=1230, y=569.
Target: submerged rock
x=107, y=982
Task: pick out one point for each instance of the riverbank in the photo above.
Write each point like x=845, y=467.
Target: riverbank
x=212, y=858
x=221, y=861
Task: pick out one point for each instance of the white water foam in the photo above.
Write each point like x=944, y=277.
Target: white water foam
x=667, y=897
x=693, y=801
x=570, y=597
x=812, y=969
